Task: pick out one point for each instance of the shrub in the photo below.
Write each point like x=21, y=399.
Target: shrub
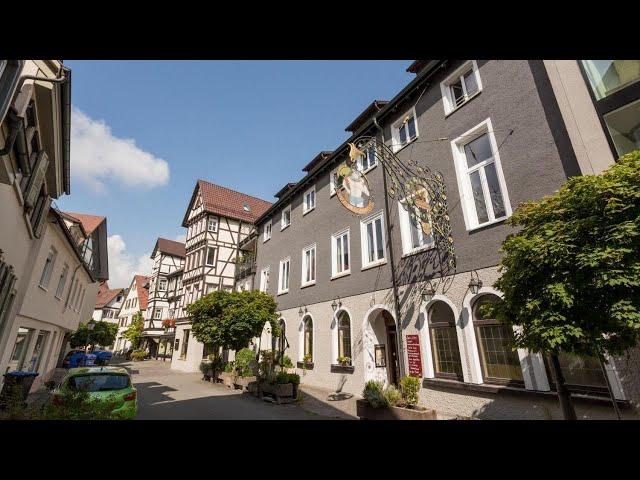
x=286, y=362
x=410, y=386
x=138, y=355
x=393, y=396
x=374, y=394
x=229, y=367
x=245, y=363
x=205, y=368
x=283, y=377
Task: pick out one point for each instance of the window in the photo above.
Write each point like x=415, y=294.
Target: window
x=416, y=234
x=62, y=281
x=38, y=350
x=185, y=344
x=267, y=231
x=264, y=279
x=157, y=313
x=624, y=127
x=23, y=339
x=282, y=343
x=581, y=374
x=162, y=284
x=286, y=218
x=309, y=265
x=332, y=182
x=211, y=255
x=212, y=225
x=373, y=241
x=209, y=287
x=461, y=86
x=367, y=161
x=500, y=363
x=344, y=334
x=283, y=286
x=308, y=338
x=609, y=76
x=340, y=253
x=444, y=341
x=309, y=200
x=48, y=268
x=480, y=180
x=404, y=131
x=81, y=302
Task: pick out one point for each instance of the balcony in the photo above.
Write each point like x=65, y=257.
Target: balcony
x=246, y=266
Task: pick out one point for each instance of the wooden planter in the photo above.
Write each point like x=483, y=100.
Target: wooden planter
x=367, y=412
x=227, y=379
x=243, y=382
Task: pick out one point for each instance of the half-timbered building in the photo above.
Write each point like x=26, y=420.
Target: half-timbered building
x=217, y=220
x=168, y=265
x=135, y=301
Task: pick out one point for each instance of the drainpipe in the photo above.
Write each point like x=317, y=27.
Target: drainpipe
x=396, y=297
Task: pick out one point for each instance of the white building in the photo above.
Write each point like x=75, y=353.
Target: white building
x=135, y=301
x=108, y=303
x=217, y=220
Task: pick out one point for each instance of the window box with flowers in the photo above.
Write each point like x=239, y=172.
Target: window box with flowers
x=343, y=366
x=169, y=324
x=306, y=363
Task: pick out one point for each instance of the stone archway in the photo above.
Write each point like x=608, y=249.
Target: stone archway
x=381, y=359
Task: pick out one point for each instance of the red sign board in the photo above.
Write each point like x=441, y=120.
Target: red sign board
x=413, y=355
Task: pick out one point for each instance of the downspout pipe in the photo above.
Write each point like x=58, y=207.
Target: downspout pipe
x=394, y=282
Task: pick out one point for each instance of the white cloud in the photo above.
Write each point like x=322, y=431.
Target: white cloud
x=98, y=157
x=122, y=265
x=181, y=238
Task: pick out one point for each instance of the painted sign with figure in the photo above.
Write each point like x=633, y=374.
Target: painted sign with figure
x=352, y=187
x=413, y=355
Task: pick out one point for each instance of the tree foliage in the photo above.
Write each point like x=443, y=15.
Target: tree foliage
x=571, y=274
x=232, y=319
x=104, y=334
x=133, y=333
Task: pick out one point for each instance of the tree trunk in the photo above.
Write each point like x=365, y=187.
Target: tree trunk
x=563, y=394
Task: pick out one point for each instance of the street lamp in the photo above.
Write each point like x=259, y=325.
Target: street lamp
x=335, y=306
x=90, y=326
x=475, y=284
x=428, y=293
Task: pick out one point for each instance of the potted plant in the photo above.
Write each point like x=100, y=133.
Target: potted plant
x=283, y=387
x=245, y=369
x=228, y=375
x=344, y=361
x=207, y=370
x=387, y=403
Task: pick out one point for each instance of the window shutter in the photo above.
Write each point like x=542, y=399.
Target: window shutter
x=37, y=230
x=37, y=177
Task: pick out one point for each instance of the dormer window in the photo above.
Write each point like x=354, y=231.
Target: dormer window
x=245, y=207
x=267, y=231
x=309, y=202
x=404, y=130
x=286, y=218
x=461, y=86
x=367, y=161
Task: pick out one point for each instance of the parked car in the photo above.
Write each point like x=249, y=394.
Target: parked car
x=78, y=358
x=103, y=357
x=103, y=384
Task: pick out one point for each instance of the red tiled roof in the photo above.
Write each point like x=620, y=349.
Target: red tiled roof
x=170, y=247
x=89, y=222
x=105, y=296
x=143, y=293
x=228, y=203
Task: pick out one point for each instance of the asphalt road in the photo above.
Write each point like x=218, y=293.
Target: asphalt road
x=165, y=394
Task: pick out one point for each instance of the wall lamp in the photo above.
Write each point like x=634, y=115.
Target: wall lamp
x=475, y=284
x=428, y=292
x=335, y=306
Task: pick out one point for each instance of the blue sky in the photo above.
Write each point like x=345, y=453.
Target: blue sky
x=143, y=132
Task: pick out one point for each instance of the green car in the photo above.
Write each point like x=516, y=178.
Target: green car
x=103, y=384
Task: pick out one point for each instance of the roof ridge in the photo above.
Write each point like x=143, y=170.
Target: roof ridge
x=234, y=191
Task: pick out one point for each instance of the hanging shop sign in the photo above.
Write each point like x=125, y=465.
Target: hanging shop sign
x=352, y=186
x=413, y=355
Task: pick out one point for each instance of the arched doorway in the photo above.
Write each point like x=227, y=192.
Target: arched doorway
x=382, y=361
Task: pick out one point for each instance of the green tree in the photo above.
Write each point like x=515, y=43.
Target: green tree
x=571, y=274
x=133, y=333
x=232, y=319
x=104, y=334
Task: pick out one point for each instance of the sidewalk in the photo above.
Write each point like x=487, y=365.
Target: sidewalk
x=327, y=403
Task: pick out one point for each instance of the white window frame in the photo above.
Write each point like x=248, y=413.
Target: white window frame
x=282, y=278
x=264, y=279
x=62, y=282
x=161, y=282
x=448, y=99
x=212, y=222
x=305, y=207
x=367, y=151
x=157, y=313
x=303, y=282
x=47, y=270
x=332, y=185
x=334, y=253
x=363, y=241
x=405, y=232
x=396, y=146
x=267, y=231
x=464, y=181
x=282, y=225
x=215, y=255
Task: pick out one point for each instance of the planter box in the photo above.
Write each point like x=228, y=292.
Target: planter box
x=337, y=368
x=367, y=412
x=227, y=379
x=305, y=366
x=243, y=382
x=287, y=392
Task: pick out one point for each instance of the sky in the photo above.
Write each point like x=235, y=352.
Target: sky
x=143, y=132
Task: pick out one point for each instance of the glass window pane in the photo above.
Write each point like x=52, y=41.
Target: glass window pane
x=494, y=191
x=624, y=127
x=446, y=354
x=379, y=243
x=498, y=360
x=457, y=93
x=338, y=254
x=470, y=82
x=370, y=246
x=411, y=125
x=403, y=134
x=313, y=264
x=478, y=150
x=608, y=76
x=345, y=246
x=584, y=371
x=478, y=198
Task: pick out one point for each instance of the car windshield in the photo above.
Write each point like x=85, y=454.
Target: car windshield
x=99, y=382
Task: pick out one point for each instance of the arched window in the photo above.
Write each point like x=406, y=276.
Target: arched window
x=500, y=362
x=344, y=334
x=444, y=341
x=308, y=338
